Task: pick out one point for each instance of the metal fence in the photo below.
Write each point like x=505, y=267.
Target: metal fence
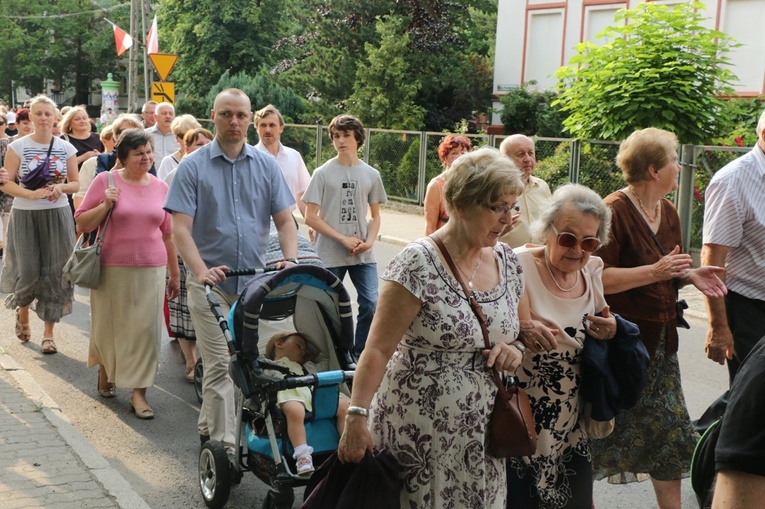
x=407, y=160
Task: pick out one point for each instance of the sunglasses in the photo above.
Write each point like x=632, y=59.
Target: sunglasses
x=503, y=210
x=569, y=240
x=2, y=122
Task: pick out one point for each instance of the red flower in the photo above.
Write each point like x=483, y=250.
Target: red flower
x=697, y=193
x=739, y=141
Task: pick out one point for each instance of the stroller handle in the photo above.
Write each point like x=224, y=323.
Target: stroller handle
x=323, y=379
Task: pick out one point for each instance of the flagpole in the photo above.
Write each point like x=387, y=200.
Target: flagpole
x=147, y=74
x=133, y=65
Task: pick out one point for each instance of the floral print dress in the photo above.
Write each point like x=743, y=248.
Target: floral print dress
x=552, y=381
x=434, y=403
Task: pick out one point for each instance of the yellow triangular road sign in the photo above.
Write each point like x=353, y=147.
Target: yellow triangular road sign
x=163, y=63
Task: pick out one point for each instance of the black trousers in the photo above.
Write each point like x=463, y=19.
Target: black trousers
x=746, y=319
x=522, y=491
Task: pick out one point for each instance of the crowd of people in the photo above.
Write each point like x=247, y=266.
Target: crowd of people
x=177, y=205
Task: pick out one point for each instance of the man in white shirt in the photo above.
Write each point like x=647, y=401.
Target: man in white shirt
x=536, y=192
x=163, y=139
x=269, y=125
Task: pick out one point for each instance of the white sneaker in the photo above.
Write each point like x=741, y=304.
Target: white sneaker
x=305, y=465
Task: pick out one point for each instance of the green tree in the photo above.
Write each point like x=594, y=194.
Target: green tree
x=384, y=92
x=64, y=41
x=661, y=67
x=211, y=37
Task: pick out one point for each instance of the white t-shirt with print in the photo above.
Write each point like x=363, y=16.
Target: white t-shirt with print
x=30, y=154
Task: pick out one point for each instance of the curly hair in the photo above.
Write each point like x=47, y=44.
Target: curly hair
x=450, y=143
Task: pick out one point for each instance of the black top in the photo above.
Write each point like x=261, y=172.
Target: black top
x=92, y=142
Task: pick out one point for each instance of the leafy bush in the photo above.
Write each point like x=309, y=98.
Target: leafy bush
x=528, y=111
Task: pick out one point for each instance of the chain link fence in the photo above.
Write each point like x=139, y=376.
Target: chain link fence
x=408, y=160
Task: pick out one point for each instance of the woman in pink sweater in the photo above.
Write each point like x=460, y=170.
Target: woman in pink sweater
x=126, y=309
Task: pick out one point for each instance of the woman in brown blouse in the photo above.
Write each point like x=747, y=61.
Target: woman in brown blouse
x=644, y=268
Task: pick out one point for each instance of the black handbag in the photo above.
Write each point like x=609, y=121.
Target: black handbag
x=512, y=429
x=40, y=175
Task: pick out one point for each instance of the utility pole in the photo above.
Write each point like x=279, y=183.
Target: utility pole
x=133, y=62
x=147, y=72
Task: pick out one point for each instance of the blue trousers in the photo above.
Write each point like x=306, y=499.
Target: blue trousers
x=364, y=278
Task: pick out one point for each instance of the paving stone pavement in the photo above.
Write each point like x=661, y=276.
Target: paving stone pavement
x=45, y=462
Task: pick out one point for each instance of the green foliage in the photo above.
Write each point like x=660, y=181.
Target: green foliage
x=39, y=44
x=528, y=111
x=660, y=67
x=262, y=89
x=211, y=37
x=597, y=168
x=383, y=93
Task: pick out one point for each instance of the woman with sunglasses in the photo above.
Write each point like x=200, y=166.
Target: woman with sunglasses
x=644, y=268
x=564, y=292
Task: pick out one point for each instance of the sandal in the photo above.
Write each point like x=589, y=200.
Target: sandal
x=51, y=348
x=23, y=331
x=190, y=374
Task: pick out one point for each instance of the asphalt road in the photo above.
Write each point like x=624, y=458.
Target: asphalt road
x=158, y=458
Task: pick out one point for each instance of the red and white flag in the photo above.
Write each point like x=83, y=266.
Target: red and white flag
x=152, y=40
x=122, y=39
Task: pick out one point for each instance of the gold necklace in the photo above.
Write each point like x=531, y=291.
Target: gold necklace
x=642, y=207
x=547, y=264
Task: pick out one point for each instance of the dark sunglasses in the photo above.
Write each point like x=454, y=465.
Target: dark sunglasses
x=503, y=210
x=569, y=240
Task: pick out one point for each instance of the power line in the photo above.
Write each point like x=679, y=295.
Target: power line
x=68, y=15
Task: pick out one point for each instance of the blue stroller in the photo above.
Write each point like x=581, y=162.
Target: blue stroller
x=318, y=306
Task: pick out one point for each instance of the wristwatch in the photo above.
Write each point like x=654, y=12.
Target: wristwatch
x=357, y=410
x=520, y=346
x=292, y=260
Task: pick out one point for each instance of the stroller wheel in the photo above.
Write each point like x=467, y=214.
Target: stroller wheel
x=198, y=373
x=214, y=474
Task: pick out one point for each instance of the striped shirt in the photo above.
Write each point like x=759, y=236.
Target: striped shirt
x=734, y=216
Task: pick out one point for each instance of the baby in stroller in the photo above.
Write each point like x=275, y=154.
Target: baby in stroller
x=290, y=350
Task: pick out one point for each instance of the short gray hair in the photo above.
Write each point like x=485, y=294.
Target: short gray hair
x=584, y=200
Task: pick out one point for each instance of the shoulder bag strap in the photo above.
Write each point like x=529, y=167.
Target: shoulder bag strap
x=50, y=147
x=474, y=305
x=100, y=238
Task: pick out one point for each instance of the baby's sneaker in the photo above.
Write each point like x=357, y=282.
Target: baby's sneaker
x=305, y=465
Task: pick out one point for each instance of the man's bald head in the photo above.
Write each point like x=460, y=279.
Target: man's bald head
x=520, y=149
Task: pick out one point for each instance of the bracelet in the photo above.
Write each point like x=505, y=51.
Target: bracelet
x=292, y=260
x=520, y=346
x=357, y=410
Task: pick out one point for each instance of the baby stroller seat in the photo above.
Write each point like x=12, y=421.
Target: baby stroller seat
x=318, y=306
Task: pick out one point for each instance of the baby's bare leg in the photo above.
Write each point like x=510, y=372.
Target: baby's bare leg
x=294, y=411
x=342, y=411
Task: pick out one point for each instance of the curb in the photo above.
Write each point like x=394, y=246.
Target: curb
x=112, y=481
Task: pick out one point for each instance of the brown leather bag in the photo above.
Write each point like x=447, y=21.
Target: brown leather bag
x=512, y=422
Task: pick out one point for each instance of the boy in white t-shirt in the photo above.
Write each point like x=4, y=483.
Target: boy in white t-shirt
x=338, y=197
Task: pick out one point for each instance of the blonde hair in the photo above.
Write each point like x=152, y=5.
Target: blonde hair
x=266, y=111
x=642, y=149
x=192, y=134
x=480, y=178
x=107, y=133
x=42, y=99
x=69, y=115
x=182, y=124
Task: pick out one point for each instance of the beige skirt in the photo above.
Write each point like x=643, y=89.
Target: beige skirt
x=126, y=324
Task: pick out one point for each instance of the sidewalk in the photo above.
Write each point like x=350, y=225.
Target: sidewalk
x=45, y=462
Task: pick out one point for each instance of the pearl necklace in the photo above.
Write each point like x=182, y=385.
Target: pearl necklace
x=478, y=265
x=642, y=207
x=547, y=264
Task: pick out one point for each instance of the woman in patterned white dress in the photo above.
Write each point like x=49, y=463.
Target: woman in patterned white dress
x=424, y=377
x=564, y=291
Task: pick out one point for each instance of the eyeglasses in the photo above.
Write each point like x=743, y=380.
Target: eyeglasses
x=569, y=240
x=503, y=210
x=2, y=122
